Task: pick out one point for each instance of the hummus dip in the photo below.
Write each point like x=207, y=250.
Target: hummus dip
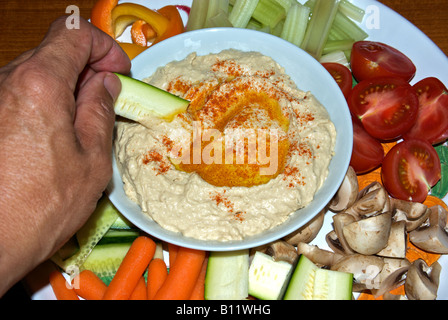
x=177, y=172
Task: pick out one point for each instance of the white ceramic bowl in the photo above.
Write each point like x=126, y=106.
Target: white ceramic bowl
x=307, y=73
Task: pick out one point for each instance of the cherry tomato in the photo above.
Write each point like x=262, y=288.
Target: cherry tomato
x=410, y=169
x=432, y=120
x=368, y=152
x=342, y=75
x=387, y=107
x=371, y=59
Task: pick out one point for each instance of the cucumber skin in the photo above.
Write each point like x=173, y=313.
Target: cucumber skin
x=294, y=289
x=138, y=100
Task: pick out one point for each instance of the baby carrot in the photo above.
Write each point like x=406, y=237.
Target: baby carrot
x=61, y=288
x=139, y=292
x=172, y=252
x=199, y=288
x=89, y=286
x=183, y=275
x=131, y=269
x=157, y=273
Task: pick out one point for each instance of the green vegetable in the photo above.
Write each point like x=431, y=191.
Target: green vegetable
x=310, y=282
x=296, y=23
x=242, y=12
x=440, y=190
x=351, y=11
x=269, y=13
x=268, y=278
x=227, y=275
x=198, y=15
x=323, y=15
x=138, y=100
x=90, y=234
x=105, y=259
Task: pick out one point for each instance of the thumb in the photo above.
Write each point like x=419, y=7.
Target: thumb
x=95, y=116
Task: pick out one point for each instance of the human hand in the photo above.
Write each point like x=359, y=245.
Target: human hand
x=57, y=118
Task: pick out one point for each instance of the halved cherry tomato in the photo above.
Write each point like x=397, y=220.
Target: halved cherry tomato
x=370, y=59
x=368, y=152
x=432, y=120
x=341, y=75
x=410, y=169
x=387, y=107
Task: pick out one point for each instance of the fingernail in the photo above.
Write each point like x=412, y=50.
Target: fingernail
x=112, y=85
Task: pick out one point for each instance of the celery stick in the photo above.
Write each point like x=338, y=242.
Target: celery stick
x=242, y=12
x=336, y=57
x=351, y=11
x=295, y=25
x=258, y=26
x=338, y=45
x=286, y=4
x=269, y=13
x=198, y=14
x=218, y=21
x=215, y=7
x=349, y=27
x=277, y=30
x=322, y=18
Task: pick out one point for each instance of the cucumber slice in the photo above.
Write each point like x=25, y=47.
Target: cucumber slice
x=309, y=282
x=90, y=234
x=301, y=286
x=138, y=100
x=104, y=260
x=332, y=285
x=119, y=236
x=122, y=224
x=227, y=275
x=268, y=278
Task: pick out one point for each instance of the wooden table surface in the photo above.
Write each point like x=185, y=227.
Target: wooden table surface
x=23, y=23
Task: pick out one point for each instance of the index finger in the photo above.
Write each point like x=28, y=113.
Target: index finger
x=69, y=51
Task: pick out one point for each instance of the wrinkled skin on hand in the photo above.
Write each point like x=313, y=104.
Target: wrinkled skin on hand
x=56, y=124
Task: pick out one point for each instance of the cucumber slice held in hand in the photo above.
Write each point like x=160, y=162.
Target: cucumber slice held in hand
x=139, y=100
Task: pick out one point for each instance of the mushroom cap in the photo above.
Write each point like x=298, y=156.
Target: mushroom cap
x=414, y=213
x=396, y=244
x=422, y=281
x=369, y=236
x=432, y=237
x=347, y=192
x=372, y=200
x=308, y=232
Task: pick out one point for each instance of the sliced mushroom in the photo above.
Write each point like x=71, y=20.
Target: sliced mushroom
x=282, y=251
x=432, y=237
x=392, y=275
x=369, y=236
x=422, y=281
x=414, y=213
x=308, y=232
x=341, y=220
x=396, y=244
x=365, y=270
x=372, y=200
x=333, y=242
x=321, y=257
x=347, y=193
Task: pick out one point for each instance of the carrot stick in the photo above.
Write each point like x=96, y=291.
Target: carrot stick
x=139, y=292
x=61, y=288
x=89, y=285
x=131, y=269
x=172, y=252
x=199, y=288
x=183, y=275
x=157, y=273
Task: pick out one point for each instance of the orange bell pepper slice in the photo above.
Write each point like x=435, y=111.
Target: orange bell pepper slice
x=176, y=25
x=101, y=15
x=141, y=33
x=156, y=20
x=131, y=49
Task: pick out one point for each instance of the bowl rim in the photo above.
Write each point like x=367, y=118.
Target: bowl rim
x=194, y=39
